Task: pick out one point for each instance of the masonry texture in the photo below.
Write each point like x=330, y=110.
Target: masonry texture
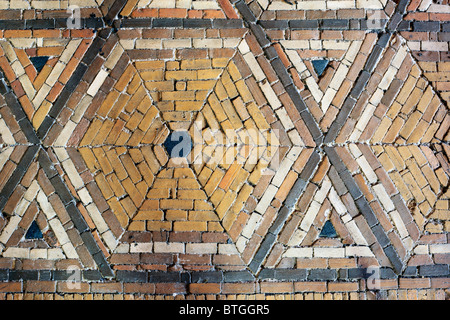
x=321, y=172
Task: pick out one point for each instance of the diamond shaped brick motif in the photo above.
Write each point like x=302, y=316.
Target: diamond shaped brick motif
x=224, y=149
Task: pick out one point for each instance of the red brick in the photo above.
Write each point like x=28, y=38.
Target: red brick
x=148, y=288
x=40, y=286
x=170, y=288
x=228, y=9
x=10, y=286
x=112, y=287
x=238, y=288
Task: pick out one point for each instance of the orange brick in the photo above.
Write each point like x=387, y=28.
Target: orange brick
x=308, y=286
x=277, y=287
x=414, y=283
x=72, y=287
x=238, y=288
x=172, y=13
x=342, y=286
x=199, y=288
x=17, y=33
x=148, y=288
x=105, y=287
x=342, y=263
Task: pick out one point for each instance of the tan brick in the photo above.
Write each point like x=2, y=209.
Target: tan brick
x=200, y=288
x=342, y=286
x=309, y=286
x=276, y=287
x=405, y=283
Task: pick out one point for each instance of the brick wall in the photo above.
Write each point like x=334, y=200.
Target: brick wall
x=317, y=160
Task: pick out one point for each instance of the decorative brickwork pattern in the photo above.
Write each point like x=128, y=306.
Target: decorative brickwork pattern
x=224, y=149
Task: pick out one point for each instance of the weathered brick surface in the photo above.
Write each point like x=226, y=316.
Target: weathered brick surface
x=224, y=149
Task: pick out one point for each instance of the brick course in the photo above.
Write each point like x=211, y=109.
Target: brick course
x=286, y=150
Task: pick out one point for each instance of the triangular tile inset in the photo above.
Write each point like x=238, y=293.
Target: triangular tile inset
x=34, y=232
x=320, y=66
x=39, y=62
x=328, y=230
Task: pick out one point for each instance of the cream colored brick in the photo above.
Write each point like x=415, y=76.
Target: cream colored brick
x=6, y=135
x=327, y=99
x=329, y=252
x=298, y=253
x=72, y=173
x=145, y=44
x=297, y=238
x=170, y=247
x=141, y=247
x=440, y=248
x=177, y=43
x=421, y=249
x=336, y=44
x=367, y=169
x=323, y=191
x=270, y=95
x=55, y=254
x=13, y=252
x=227, y=248
x=205, y=5
x=314, y=89
x=45, y=205
x=59, y=231
x=38, y=254
x=97, y=218
x=97, y=83
x=369, y=4
x=358, y=251
x=241, y=243
x=282, y=172
x=310, y=215
x=254, y=66
x=32, y=191
x=280, y=5
x=295, y=44
x=336, y=5
x=207, y=43
x=336, y=202
x=311, y=5
x=434, y=46
x=243, y=47
x=162, y=4
x=84, y=195
x=395, y=216
x=69, y=250
x=355, y=233
x=110, y=240
x=387, y=78
x=201, y=248
x=68, y=52
x=383, y=197
x=251, y=225
x=41, y=95
x=266, y=199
